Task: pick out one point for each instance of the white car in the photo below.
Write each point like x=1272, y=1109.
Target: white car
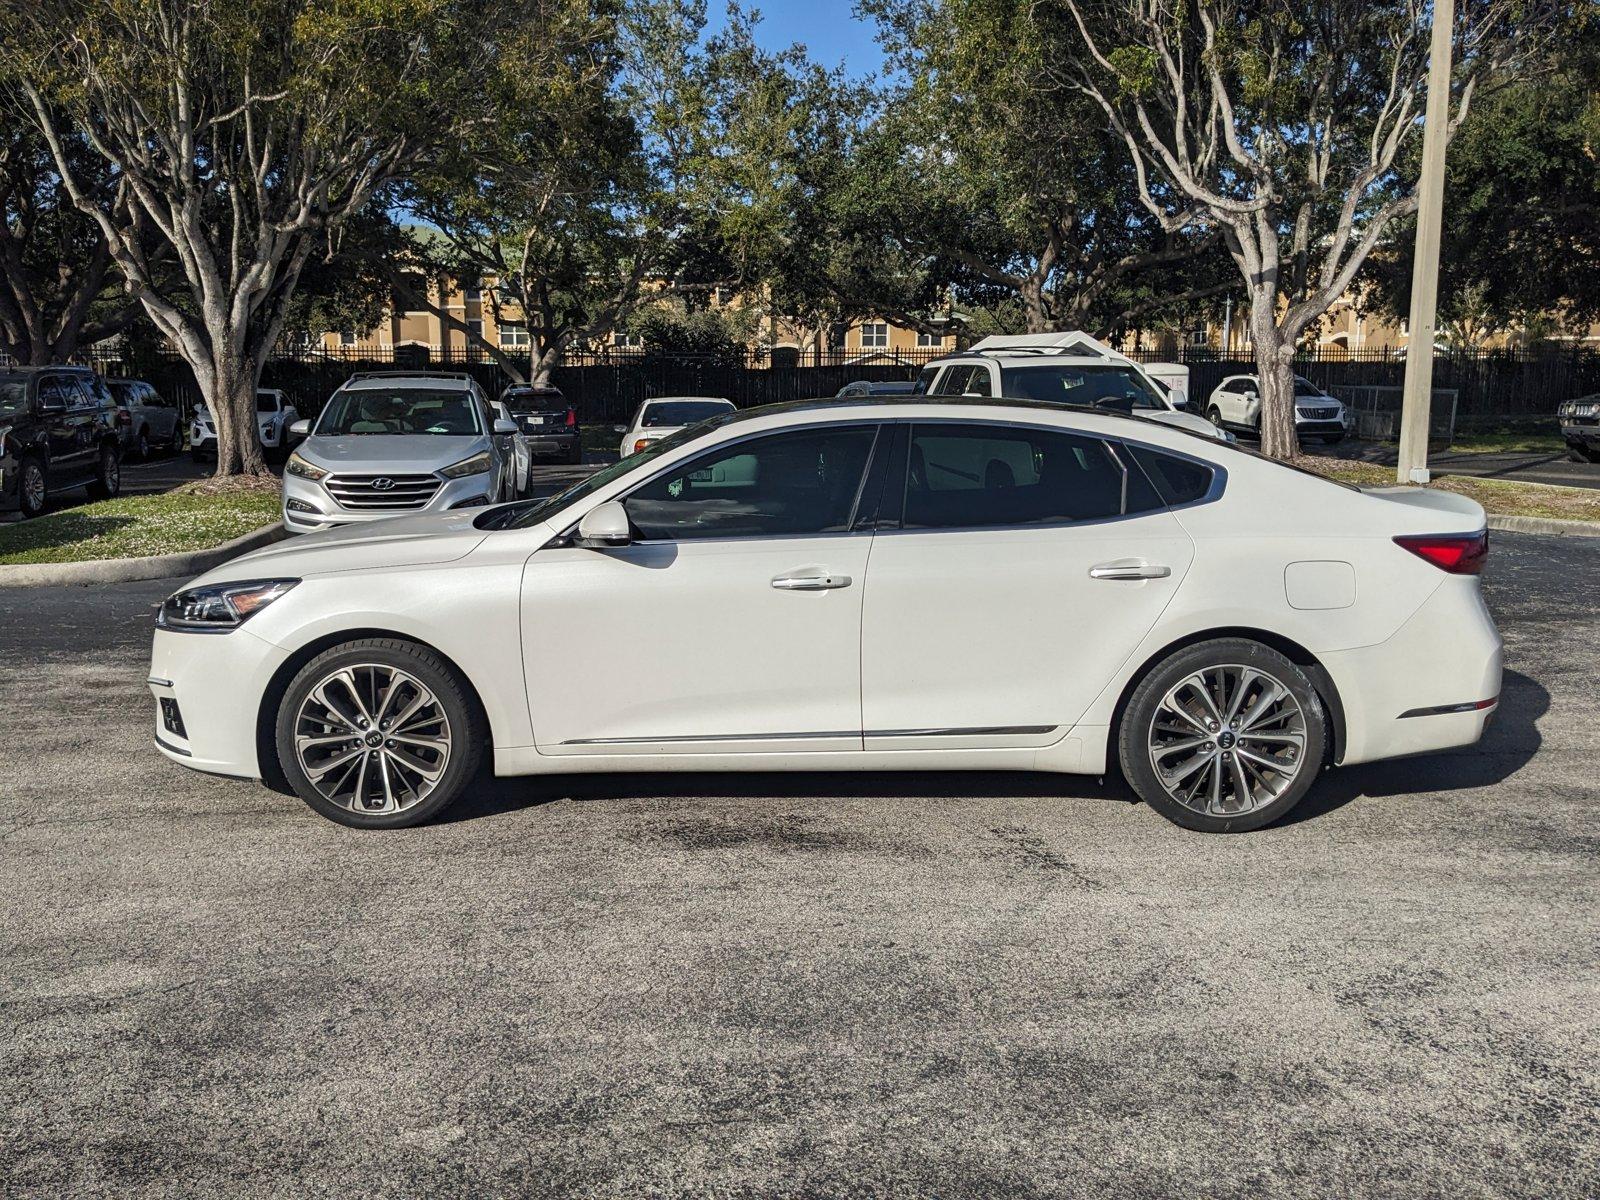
x=1060, y=368
x=842, y=585
x=275, y=413
x=521, y=453
x=1236, y=403
x=666, y=415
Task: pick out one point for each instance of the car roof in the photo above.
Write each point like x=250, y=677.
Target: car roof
x=895, y=407
x=445, y=382
x=696, y=399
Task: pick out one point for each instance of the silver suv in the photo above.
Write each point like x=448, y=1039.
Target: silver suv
x=393, y=443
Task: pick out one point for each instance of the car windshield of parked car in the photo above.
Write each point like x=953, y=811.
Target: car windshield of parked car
x=1304, y=387
x=535, y=401
x=13, y=396
x=402, y=410
x=1088, y=385
x=668, y=413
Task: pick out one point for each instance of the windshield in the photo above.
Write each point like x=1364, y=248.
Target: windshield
x=1304, y=387
x=402, y=410
x=530, y=401
x=1087, y=385
x=531, y=512
x=13, y=396
x=667, y=413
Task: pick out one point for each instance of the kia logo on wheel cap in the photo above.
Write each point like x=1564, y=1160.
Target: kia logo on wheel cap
x=382, y=483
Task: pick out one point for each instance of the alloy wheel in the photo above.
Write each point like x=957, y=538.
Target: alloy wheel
x=33, y=487
x=372, y=739
x=1227, y=740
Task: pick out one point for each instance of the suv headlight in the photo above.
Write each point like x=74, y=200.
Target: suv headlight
x=303, y=468
x=220, y=607
x=476, y=465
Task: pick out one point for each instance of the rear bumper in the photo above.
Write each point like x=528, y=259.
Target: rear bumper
x=1406, y=695
x=544, y=445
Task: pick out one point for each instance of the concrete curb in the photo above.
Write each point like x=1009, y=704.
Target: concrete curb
x=1545, y=525
x=127, y=570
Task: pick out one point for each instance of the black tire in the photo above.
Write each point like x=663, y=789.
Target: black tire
x=1135, y=731
x=1582, y=454
x=141, y=447
x=33, y=489
x=175, y=446
x=575, y=455
x=107, y=481
x=1215, y=416
x=465, y=726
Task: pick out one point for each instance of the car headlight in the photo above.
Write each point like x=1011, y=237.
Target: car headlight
x=220, y=607
x=303, y=468
x=476, y=465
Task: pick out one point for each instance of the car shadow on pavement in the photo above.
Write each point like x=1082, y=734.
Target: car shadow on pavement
x=1510, y=741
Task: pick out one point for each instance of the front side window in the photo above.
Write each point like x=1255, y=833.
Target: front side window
x=965, y=476
x=801, y=482
x=924, y=383
x=954, y=382
x=266, y=402
x=402, y=410
x=1091, y=385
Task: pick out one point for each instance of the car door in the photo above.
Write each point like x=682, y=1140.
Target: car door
x=68, y=413
x=732, y=623
x=1024, y=566
x=162, y=417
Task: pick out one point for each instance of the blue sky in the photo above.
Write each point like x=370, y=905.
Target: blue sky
x=828, y=28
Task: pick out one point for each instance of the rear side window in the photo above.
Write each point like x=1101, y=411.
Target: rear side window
x=924, y=383
x=960, y=476
x=1178, y=480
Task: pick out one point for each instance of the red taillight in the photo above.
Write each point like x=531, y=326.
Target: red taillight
x=1457, y=553
x=572, y=418
x=124, y=417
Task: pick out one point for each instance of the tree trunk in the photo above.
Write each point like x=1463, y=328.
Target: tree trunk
x=229, y=389
x=543, y=361
x=1275, y=369
x=1035, y=307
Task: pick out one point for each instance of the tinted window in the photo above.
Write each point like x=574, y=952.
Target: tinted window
x=667, y=414
x=804, y=481
x=13, y=396
x=266, y=402
x=527, y=400
x=954, y=382
x=400, y=410
x=1179, y=480
x=925, y=380
x=979, y=475
x=1088, y=385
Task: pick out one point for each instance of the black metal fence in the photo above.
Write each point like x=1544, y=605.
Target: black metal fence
x=609, y=385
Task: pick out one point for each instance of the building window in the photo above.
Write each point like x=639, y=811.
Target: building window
x=474, y=292
x=875, y=335
x=1198, y=337
x=723, y=294
x=513, y=333
x=346, y=338
x=927, y=341
x=627, y=341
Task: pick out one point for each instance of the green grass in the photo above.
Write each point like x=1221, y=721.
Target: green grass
x=1509, y=442
x=136, y=526
x=1502, y=497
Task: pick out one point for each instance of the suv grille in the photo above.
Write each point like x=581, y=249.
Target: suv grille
x=1319, y=414
x=382, y=492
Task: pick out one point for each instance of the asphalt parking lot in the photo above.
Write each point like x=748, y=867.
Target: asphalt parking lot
x=943, y=985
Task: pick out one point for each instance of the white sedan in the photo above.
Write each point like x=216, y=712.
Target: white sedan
x=989, y=585
x=658, y=418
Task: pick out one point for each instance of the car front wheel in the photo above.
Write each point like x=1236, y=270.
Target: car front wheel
x=33, y=487
x=1223, y=737
x=379, y=733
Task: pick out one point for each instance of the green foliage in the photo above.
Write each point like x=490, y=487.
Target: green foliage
x=705, y=334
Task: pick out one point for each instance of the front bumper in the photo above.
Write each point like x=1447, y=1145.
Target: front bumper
x=1333, y=427
x=1586, y=434
x=205, y=676
x=327, y=513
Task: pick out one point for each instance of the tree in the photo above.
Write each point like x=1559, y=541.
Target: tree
x=1006, y=184
x=1522, y=203
x=240, y=132
x=1279, y=126
x=58, y=288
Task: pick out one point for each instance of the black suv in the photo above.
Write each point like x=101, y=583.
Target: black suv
x=58, y=429
x=548, y=419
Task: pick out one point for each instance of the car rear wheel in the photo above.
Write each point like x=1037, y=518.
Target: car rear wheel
x=1223, y=737
x=1582, y=454
x=379, y=733
x=34, y=487
x=142, y=447
x=107, y=480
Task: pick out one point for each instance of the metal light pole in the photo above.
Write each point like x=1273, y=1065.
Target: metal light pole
x=1418, y=395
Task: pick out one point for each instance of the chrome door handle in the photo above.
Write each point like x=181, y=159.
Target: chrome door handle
x=810, y=583
x=1129, y=570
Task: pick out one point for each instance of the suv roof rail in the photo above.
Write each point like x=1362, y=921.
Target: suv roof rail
x=1071, y=342
x=421, y=374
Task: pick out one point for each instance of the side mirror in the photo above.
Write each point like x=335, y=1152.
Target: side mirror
x=300, y=428
x=504, y=427
x=603, y=526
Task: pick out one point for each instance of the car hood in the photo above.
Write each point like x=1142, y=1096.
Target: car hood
x=394, y=542
x=1186, y=421
x=402, y=454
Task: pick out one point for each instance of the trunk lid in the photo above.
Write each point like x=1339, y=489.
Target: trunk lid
x=1429, y=510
